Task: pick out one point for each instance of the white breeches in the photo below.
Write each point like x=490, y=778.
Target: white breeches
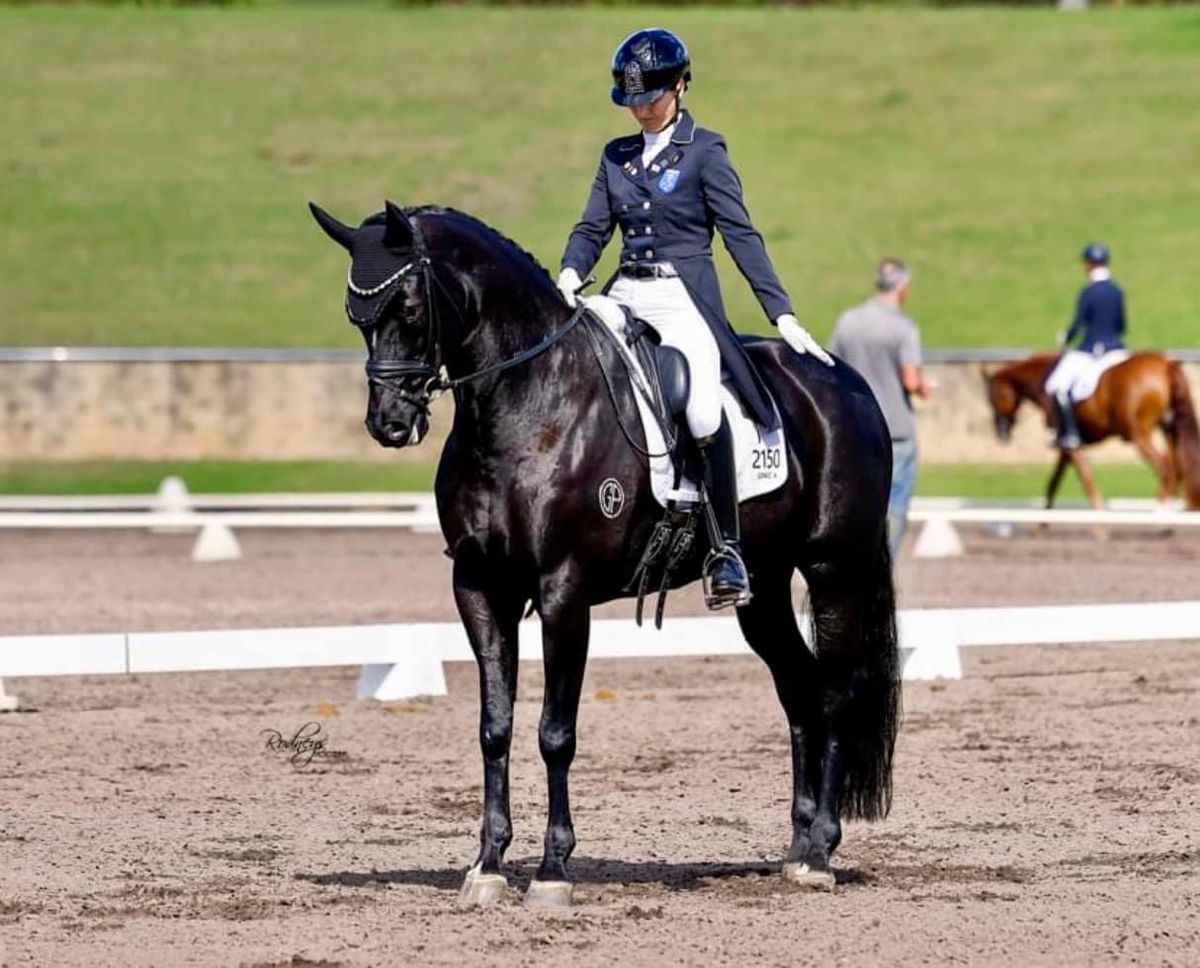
x=1078, y=373
x=666, y=305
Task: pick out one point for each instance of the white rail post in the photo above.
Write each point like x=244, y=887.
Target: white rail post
x=8, y=703
x=938, y=539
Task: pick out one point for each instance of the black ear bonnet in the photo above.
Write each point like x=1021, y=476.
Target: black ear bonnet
x=378, y=269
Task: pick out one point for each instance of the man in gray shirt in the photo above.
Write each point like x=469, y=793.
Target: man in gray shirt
x=884, y=345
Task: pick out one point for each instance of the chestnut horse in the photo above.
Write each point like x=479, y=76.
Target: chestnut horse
x=1147, y=390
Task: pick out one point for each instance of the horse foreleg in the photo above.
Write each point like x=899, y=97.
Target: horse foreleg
x=1056, y=477
x=769, y=626
x=490, y=619
x=566, y=623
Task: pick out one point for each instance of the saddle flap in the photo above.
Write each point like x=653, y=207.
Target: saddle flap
x=665, y=367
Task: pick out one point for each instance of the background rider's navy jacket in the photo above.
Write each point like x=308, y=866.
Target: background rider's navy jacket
x=1099, y=318
x=667, y=213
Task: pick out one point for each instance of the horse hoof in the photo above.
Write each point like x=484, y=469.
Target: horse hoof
x=480, y=890
x=804, y=876
x=549, y=894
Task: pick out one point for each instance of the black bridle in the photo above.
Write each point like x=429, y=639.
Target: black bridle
x=418, y=381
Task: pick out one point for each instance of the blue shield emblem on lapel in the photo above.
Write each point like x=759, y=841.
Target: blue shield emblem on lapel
x=668, y=181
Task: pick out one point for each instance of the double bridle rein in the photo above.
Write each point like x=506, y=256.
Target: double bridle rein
x=429, y=373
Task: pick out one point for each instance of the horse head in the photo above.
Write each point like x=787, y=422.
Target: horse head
x=1013, y=383
x=1004, y=398
x=441, y=299
x=392, y=297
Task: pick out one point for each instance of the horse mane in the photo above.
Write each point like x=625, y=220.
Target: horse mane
x=443, y=210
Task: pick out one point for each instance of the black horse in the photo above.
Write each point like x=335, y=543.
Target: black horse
x=444, y=301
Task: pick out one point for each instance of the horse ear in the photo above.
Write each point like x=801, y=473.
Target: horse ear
x=343, y=235
x=986, y=373
x=399, y=233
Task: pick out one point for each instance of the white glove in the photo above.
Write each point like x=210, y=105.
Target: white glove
x=568, y=284
x=799, y=338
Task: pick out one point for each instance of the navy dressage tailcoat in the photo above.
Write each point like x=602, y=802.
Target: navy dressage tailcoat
x=667, y=213
x=1099, y=318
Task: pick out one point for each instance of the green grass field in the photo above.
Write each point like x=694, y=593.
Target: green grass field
x=143, y=477
x=155, y=164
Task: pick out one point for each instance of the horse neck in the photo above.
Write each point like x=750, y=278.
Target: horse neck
x=505, y=411
x=1028, y=378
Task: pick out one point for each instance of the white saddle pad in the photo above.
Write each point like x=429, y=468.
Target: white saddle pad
x=759, y=455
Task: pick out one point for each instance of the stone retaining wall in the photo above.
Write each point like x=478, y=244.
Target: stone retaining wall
x=296, y=410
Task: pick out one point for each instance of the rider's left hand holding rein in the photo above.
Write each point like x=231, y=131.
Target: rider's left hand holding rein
x=800, y=339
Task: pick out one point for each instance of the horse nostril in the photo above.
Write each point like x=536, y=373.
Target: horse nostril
x=394, y=430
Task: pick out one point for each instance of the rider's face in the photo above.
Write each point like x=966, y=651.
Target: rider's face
x=657, y=114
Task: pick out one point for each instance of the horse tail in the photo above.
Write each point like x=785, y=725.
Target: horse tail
x=1184, y=433
x=872, y=713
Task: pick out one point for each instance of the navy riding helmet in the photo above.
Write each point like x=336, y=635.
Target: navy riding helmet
x=1096, y=254
x=647, y=64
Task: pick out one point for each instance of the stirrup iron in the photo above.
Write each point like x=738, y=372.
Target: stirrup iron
x=711, y=599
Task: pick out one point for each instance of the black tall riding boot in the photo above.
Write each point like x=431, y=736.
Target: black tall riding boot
x=1068, y=428
x=724, y=574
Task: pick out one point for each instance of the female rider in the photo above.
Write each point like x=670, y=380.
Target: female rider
x=667, y=187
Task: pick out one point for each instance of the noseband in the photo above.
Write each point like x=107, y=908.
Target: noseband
x=418, y=381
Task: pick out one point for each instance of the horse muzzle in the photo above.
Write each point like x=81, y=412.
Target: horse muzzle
x=398, y=432
x=1004, y=427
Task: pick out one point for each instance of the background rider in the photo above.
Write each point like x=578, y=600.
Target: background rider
x=1099, y=325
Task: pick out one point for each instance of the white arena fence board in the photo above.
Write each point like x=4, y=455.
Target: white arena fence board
x=62, y=655
x=188, y=520
x=418, y=510
x=404, y=660
x=282, y=648
x=417, y=500
x=1082, y=517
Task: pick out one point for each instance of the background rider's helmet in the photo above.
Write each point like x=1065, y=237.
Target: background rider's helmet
x=1096, y=254
x=646, y=65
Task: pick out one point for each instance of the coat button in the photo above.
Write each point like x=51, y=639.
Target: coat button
x=649, y=253
x=645, y=204
x=649, y=230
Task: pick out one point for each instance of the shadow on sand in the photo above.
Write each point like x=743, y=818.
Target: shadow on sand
x=582, y=870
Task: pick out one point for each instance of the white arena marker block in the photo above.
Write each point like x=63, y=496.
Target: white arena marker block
x=419, y=673
x=216, y=542
x=8, y=703
x=929, y=646
x=938, y=539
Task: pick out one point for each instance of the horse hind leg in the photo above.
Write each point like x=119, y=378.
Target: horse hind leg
x=1163, y=465
x=768, y=623
x=854, y=616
